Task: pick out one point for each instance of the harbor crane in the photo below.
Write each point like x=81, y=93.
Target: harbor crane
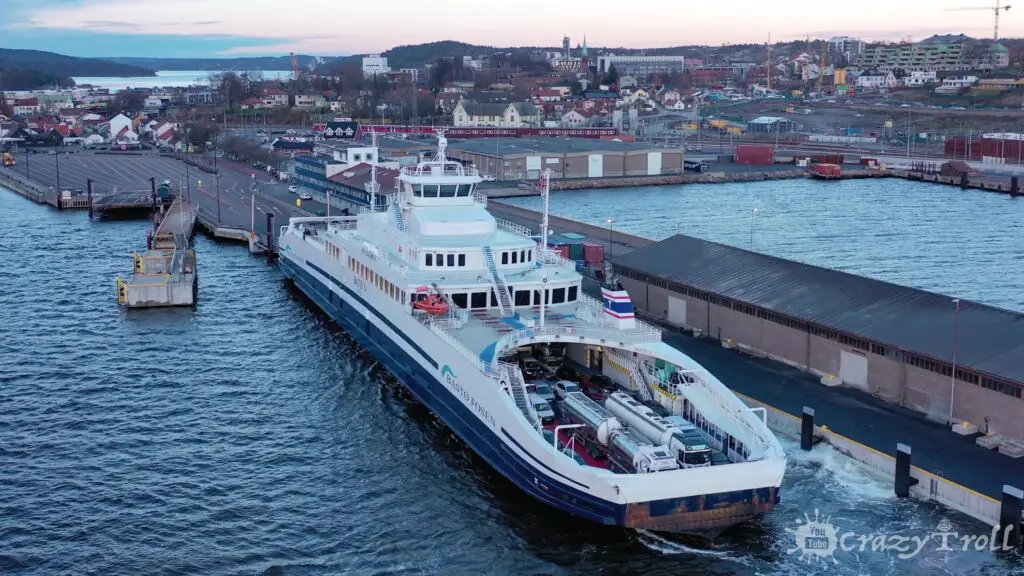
x=995, y=9
x=295, y=67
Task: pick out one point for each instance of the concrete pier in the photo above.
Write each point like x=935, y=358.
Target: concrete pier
x=165, y=274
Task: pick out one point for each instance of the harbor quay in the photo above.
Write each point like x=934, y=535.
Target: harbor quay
x=864, y=408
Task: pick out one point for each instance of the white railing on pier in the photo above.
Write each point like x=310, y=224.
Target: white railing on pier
x=513, y=227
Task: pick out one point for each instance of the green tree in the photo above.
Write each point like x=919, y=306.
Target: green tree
x=5, y=108
x=612, y=76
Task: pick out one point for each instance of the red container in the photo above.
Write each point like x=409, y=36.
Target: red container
x=753, y=154
x=593, y=252
x=827, y=158
x=827, y=170
x=563, y=250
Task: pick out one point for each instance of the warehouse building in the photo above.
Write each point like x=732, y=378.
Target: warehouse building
x=899, y=344
x=526, y=158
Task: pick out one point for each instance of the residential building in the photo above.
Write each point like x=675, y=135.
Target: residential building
x=374, y=64
x=310, y=101
x=877, y=80
x=546, y=95
x=918, y=78
x=1001, y=83
x=511, y=115
x=253, y=104
x=641, y=66
x=197, y=96
x=849, y=47
x=275, y=98
x=412, y=73
x=957, y=83
x=935, y=56
x=26, y=106
x=577, y=119
x=118, y=123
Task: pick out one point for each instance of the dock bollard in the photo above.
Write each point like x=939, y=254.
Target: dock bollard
x=963, y=179
x=88, y=188
x=1014, y=185
x=807, y=429
x=1010, y=515
x=152, y=190
x=903, y=480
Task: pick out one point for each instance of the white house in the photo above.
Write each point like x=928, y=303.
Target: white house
x=877, y=80
x=93, y=140
x=576, y=119
x=26, y=106
x=514, y=115
x=674, y=105
x=275, y=98
x=118, y=124
x=958, y=82
x=310, y=101
x=920, y=78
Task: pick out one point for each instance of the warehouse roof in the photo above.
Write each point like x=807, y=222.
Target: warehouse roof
x=531, y=146
x=991, y=339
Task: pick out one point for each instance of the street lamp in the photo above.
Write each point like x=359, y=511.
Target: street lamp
x=56, y=159
x=956, y=342
x=753, y=212
x=677, y=227
x=611, y=228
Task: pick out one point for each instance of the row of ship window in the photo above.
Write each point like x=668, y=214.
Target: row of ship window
x=368, y=274
x=442, y=190
x=924, y=363
x=481, y=301
x=445, y=260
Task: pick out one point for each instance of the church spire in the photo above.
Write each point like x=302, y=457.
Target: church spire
x=584, y=53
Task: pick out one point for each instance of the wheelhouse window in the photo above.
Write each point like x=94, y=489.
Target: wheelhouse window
x=448, y=190
x=460, y=299
x=514, y=258
x=504, y=257
x=451, y=260
x=529, y=255
x=462, y=259
x=572, y=294
x=430, y=259
x=439, y=258
x=558, y=295
x=522, y=298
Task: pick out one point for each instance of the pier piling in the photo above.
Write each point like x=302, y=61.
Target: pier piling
x=1014, y=185
x=152, y=190
x=903, y=480
x=964, y=180
x=1010, y=515
x=271, y=248
x=807, y=429
x=88, y=188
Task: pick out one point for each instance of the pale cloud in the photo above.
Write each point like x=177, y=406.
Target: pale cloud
x=338, y=26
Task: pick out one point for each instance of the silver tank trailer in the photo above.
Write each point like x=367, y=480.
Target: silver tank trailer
x=582, y=410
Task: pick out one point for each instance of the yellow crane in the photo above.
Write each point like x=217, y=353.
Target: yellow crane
x=295, y=67
x=995, y=9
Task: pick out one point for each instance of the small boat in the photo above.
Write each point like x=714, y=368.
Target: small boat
x=433, y=304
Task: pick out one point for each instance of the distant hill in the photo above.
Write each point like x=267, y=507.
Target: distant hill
x=62, y=66
x=416, y=55
x=21, y=79
x=255, y=64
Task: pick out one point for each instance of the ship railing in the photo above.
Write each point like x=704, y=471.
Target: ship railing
x=513, y=227
x=553, y=258
x=610, y=336
x=438, y=169
x=479, y=199
x=735, y=411
x=473, y=358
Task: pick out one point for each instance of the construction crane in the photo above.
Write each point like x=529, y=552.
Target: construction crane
x=295, y=68
x=995, y=9
x=823, y=65
x=768, y=66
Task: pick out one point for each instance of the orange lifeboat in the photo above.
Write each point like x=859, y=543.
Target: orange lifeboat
x=433, y=304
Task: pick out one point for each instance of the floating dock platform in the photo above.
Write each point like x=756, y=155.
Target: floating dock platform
x=166, y=274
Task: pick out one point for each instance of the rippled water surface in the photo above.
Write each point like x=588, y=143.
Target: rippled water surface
x=968, y=244
x=249, y=436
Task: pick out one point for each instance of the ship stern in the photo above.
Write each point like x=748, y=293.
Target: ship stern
x=710, y=513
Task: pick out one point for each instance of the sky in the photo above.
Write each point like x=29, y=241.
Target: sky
x=225, y=28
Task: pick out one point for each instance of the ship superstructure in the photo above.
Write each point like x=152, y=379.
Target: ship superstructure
x=448, y=298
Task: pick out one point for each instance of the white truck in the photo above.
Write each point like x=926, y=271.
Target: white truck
x=685, y=442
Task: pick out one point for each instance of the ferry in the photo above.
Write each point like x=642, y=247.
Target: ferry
x=452, y=301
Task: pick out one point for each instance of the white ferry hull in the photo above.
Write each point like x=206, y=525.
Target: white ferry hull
x=492, y=432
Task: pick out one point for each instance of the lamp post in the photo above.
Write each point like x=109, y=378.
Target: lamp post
x=677, y=227
x=611, y=228
x=753, y=212
x=956, y=342
x=56, y=159
x=29, y=174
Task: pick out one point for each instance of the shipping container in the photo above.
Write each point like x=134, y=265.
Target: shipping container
x=754, y=154
x=827, y=159
x=826, y=171
x=574, y=236
x=576, y=251
x=593, y=253
x=562, y=249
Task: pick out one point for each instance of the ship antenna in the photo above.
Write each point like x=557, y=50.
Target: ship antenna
x=373, y=186
x=442, y=143
x=545, y=189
